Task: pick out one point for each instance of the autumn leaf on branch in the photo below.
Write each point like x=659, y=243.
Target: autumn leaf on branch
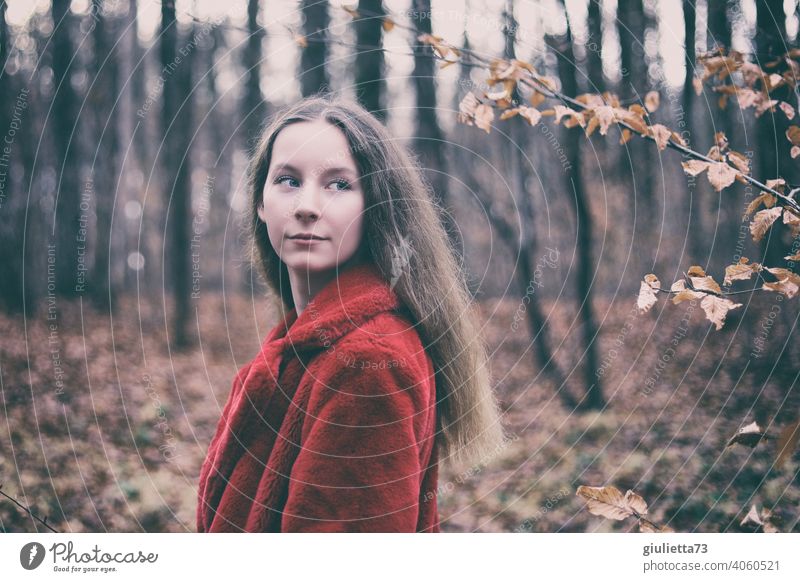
x=717, y=308
x=749, y=436
x=766, y=519
x=788, y=282
x=647, y=293
x=741, y=271
x=611, y=503
x=763, y=220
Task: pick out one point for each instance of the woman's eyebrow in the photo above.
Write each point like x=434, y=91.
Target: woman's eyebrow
x=339, y=169
x=284, y=166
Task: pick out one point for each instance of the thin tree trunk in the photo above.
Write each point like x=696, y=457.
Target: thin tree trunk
x=67, y=210
x=176, y=125
x=634, y=86
x=103, y=95
x=428, y=137
x=593, y=398
x=369, y=66
x=314, y=56
x=773, y=148
x=597, y=83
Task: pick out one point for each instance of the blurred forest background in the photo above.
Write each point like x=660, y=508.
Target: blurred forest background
x=129, y=304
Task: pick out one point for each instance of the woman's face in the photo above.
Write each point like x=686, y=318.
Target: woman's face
x=313, y=187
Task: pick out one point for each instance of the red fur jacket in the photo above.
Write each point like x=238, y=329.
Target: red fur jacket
x=344, y=439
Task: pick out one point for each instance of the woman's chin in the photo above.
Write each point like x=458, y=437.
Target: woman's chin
x=309, y=262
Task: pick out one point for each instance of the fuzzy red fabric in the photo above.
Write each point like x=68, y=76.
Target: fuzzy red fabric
x=331, y=427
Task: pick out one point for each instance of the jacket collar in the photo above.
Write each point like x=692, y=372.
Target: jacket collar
x=356, y=295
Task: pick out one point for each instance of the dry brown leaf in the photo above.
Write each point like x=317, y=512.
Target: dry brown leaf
x=790, y=218
x=687, y=295
x=787, y=443
x=484, y=115
x=653, y=281
x=591, y=126
x=696, y=271
x=705, y=283
x=677, y=286
x=647, y=298
x=716, y=308
x=625, y=136
x=740, y=272
x=752, y=517
x=788, y=282
x=537, y=98
x=762, y=221
x=787, y=109
x=777, y=184
x=746, y=98
x=509, y=113
x=562, y=111
x=774, y=80
x=661, y=135
x=764, y=198
x=763, y=105
x=652, y=101
x=532, y=114
x=609, y=502
x=749, y=436
x=636, y=502
x=721, y=175
x=793, y=134
x=604, y=116
x=694, y=167
x=740, y=161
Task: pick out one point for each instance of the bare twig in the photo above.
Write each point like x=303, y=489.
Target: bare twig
x=33, y=515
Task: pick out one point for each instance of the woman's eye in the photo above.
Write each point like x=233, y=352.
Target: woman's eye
x=344, y=184
x=280, y=179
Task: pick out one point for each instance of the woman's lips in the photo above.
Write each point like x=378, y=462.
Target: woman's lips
x=307, y=241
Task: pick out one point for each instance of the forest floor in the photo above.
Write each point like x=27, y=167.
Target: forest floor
x=104, y=428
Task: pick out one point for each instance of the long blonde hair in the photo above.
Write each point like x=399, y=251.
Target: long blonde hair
x=402, y=229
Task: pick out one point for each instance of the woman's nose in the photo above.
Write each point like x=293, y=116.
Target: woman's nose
x=307, y=203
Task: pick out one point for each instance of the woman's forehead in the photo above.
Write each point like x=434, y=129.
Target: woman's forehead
x=312, y=141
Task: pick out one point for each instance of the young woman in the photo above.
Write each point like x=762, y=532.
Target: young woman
x=377, y=370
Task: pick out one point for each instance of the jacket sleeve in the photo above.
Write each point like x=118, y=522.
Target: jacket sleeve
x=358, y=467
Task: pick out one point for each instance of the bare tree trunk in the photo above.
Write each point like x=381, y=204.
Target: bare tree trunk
x=729, y=205
x=597, y=83
x=314, y=57
x=773, y=148
x=428, y=137
x=11, y=229
x=575, y=192
x=104, y=171
x=176, y=125
x=67, y=209
x=369, y=74
x=634, y=86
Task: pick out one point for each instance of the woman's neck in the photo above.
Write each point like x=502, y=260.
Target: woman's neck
x=306, y=285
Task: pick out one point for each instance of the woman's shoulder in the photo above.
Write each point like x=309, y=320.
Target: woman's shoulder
x=389, y=334
x=386, y=349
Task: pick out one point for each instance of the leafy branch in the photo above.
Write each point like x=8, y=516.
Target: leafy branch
x=609, y=502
